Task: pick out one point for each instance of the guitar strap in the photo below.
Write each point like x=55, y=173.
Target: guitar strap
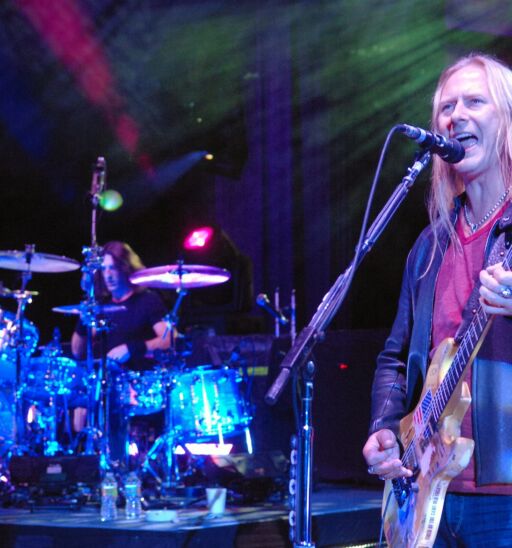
x=496, y=255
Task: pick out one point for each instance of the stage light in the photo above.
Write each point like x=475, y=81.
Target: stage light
x=31, y=414
x=218, y=307
x=204, y=449
x=110, y=200
x=199, y=238
x=248, y=441
x=209, y=157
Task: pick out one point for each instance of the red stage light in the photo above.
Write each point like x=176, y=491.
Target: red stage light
x=199, y=238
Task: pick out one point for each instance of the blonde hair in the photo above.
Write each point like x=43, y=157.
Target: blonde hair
x=445, y=183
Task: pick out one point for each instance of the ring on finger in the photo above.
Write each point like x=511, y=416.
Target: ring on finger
x=371, y=469
x=506, y=292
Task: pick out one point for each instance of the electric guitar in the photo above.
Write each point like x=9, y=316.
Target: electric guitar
x=433, y=448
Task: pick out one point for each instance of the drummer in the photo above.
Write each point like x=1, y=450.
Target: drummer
x=135, y=332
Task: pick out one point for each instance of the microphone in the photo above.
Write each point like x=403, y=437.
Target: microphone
x=262, y=300
x=235, y=355
x=98, y=179
x=450, y=150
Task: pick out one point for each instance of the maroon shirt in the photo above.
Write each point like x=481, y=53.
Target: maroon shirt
x=457, y=276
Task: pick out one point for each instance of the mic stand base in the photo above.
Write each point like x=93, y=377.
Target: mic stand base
x=301, y=482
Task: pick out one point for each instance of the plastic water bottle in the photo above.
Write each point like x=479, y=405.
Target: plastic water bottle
x=108, y=497
x=132, y=493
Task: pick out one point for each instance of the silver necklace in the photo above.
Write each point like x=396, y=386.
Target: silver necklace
x=475, y=226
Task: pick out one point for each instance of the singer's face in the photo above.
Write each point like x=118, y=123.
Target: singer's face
x=467, y=112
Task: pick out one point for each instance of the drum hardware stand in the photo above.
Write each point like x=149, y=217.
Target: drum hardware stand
x=296, y=358
x=166, y=442
x=51, y=444
x=97, y=421
x=48, y=426
x=172, y=318
x=23, y=297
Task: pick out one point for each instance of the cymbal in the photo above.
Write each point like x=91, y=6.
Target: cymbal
x=39, y=262
x=180, y=276
x=83, y=308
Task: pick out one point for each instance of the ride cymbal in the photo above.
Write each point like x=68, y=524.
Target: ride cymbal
x=180, y=276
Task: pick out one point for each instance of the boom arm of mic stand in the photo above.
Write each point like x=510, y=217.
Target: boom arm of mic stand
x=301, y=348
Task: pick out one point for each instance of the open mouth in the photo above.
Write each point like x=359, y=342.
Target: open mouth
x=467, y=140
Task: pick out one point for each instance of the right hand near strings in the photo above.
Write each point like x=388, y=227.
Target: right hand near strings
x=382, y=454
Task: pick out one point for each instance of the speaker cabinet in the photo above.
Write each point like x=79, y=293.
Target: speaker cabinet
x=53, y=474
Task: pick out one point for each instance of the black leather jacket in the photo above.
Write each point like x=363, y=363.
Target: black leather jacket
x=402, y=365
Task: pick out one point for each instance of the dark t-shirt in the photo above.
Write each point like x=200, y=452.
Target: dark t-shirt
x=143, y=310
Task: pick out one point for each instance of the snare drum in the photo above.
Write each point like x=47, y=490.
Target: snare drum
x=141, y=392
x=207, y=402
x=30, y=336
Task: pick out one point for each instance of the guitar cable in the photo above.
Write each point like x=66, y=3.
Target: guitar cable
x=381, y=534
x=394, y=386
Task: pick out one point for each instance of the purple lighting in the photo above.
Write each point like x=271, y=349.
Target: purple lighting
x=199, y=238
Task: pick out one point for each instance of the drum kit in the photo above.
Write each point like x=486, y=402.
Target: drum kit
x=200, y=404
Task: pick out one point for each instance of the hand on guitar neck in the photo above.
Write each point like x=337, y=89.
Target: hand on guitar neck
x=382, y=454
x=496, y=290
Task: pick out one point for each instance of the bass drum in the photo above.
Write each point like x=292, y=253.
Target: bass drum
x=207, y=403
x=30, y=337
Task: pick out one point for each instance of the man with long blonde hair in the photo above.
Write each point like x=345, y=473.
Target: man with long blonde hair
x=455, y=267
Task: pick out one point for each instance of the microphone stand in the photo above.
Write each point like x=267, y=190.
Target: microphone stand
x=297, y=356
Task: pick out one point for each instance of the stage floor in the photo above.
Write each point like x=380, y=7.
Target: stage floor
x=342, y=516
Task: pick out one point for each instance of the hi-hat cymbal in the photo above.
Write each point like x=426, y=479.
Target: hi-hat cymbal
x=180, y=276
x=37, y=262
x=84, y=308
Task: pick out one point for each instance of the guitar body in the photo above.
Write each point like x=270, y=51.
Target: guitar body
x=440, y=454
